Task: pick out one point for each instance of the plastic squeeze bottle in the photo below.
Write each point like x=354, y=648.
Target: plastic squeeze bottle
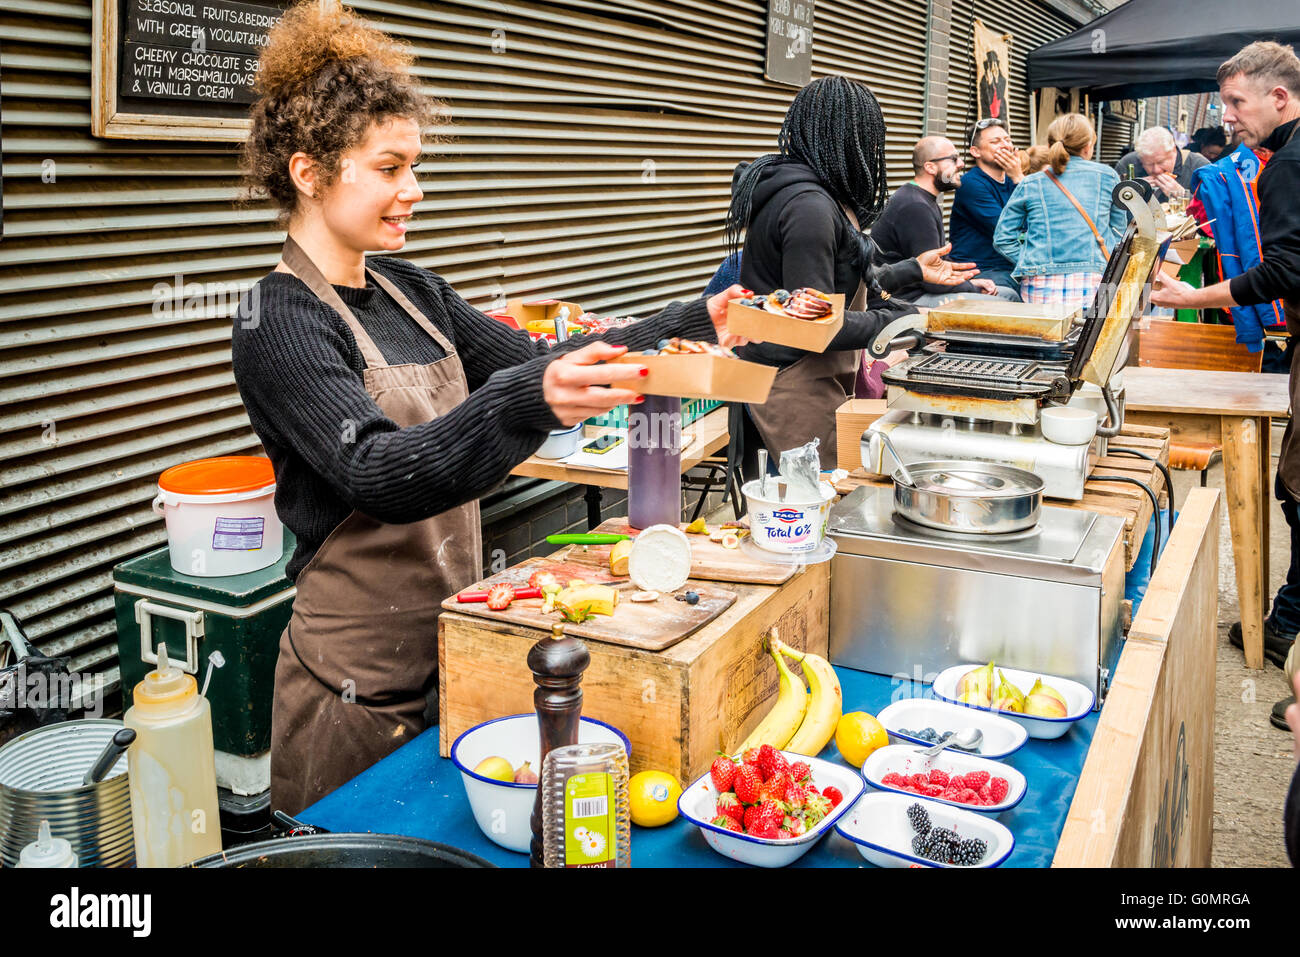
x=47, y=851
x=173, y=776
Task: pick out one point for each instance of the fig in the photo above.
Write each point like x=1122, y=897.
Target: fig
x=525, y=774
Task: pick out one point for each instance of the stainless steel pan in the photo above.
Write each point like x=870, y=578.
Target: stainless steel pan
x=978, y=498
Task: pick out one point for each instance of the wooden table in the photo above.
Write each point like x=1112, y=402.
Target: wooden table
x=709, y=431
x=1234, y=410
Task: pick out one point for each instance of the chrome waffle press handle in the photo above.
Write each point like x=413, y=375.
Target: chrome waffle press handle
x=896, y=336
x=1114, y=422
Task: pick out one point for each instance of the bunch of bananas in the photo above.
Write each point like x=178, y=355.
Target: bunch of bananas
x=803, y=719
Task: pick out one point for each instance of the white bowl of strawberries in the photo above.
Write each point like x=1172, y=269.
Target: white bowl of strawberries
x=769, y=807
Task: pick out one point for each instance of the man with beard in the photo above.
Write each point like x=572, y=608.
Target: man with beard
x=912, y=222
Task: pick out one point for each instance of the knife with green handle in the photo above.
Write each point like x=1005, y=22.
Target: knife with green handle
x=586, y=538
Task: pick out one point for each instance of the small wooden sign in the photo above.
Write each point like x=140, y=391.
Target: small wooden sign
x=789, y=41
x=177, y=69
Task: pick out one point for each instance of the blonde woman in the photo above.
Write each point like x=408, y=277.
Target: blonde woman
x=1060, y=224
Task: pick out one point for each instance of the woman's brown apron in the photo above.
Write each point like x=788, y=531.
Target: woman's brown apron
x=804, y=397
x=360, y=654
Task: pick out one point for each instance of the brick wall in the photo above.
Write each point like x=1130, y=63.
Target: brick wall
x=936, y=112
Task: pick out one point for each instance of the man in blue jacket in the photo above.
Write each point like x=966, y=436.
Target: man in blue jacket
x=1260, y=88
x=978, y=203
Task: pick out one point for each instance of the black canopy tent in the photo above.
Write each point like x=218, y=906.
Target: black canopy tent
x=1160, y=47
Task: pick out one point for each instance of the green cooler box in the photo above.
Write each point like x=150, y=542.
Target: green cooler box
x=242, y=617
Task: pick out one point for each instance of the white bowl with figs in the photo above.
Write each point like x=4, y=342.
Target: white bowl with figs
x=1044, y=705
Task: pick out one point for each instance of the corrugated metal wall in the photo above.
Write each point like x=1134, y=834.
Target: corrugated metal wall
x=1116, y=135
x=592, y=155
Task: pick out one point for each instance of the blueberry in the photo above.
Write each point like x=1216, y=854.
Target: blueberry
x=650, y=352
x=746, y=302
x=691, y=598
x=930, y=731
x=662, y=344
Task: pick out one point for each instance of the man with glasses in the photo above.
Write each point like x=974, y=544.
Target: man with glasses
x=912, y=222
x=984, y=190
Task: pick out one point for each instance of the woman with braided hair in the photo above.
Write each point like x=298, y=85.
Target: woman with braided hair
x=386, y=403
x=802, y=212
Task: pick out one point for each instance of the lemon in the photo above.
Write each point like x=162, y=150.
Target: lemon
x=652, y=798
x=857, y=735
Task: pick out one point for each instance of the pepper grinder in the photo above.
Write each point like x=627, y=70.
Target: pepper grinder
x=557, y=663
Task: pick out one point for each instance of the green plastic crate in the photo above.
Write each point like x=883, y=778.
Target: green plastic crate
x=692, y=409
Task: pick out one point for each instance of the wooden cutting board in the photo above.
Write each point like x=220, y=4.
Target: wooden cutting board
x=650, y=626
x=709, y=560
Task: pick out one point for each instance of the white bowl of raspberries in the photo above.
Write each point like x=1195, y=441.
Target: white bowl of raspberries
x=898, y=830
x=768, y=807
x=962, y=780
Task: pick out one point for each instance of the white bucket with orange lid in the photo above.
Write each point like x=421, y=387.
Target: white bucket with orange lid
x=220, y=516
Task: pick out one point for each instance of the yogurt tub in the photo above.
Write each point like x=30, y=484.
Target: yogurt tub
x=220, y=516
x=786, y=527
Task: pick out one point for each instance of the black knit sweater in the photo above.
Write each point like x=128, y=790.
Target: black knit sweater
x=300, y=374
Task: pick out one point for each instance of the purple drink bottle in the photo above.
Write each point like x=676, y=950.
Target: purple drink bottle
x=654, y=455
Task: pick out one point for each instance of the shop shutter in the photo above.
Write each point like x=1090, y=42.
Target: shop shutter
x=591, y=155
x=1116, y=135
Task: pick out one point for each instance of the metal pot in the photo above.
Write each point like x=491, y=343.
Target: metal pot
x=969, y=497
x=344, y=850
x=40, y=779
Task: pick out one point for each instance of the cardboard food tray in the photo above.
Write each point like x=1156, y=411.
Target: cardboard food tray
x=540, y=310
x=693, y=376
x=811, y=335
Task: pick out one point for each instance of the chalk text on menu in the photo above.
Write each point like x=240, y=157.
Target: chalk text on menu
x=197, y=50
x=789, y=41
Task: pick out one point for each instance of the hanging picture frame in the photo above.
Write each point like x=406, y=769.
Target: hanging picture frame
x=992, y=68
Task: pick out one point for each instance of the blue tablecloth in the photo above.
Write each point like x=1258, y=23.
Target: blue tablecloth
x=414, y=791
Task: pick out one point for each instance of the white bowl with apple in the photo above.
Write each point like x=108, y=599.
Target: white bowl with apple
x=1046, y=710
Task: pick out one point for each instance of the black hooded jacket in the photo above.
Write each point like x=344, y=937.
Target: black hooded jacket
x=798, y=236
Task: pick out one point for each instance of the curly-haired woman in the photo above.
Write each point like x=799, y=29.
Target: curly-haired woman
x=386, y=403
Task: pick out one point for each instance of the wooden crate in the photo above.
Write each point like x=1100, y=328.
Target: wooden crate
x=678, y=707
x=1145, y=797
x=1106, y=498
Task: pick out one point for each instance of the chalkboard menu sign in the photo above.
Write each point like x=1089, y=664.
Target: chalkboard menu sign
x=177, y=69
x=789, y=41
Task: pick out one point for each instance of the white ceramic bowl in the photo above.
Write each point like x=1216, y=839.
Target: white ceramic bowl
x=560, y=443
x=1078, y=699
x=878, y=825
x=904, y=759
x=503, y=809
x=698, y=804
x=1001, y=736
x=1068, y=425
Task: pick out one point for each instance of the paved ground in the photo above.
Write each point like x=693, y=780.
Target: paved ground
x=1253, y=762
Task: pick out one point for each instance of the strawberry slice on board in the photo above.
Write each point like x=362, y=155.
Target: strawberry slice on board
x=500, y=597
